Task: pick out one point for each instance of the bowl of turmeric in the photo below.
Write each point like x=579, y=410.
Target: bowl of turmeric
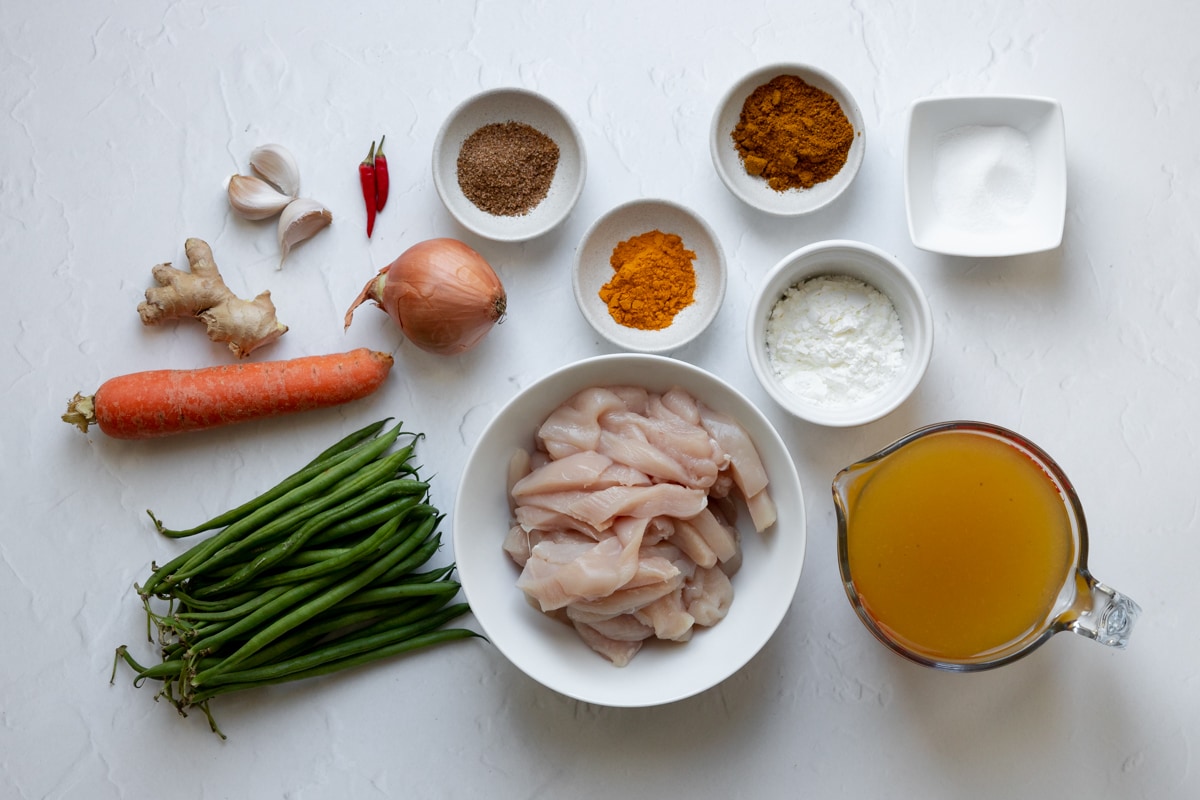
x=787, y=139
x=649, y=276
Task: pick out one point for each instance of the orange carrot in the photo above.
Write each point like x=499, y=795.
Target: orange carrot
x=147, y=405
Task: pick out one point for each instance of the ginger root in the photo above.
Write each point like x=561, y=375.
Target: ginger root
x=201, y=293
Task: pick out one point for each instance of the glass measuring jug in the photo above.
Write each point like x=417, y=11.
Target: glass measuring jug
x=963, y=546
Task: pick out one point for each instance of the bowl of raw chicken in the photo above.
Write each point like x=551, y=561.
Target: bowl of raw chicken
x=629, y=530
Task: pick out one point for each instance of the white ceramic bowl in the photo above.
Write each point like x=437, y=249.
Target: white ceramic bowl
x=754, y=190
x=592, y=269
x=985, y=175
x=510, y=105
x=550, y=652
x=874, y=267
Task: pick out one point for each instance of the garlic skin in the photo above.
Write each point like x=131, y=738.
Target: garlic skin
x=254, y=198
x=301, y=220
x=275, y=164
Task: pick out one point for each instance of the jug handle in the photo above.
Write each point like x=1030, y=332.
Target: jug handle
x=1102, y=613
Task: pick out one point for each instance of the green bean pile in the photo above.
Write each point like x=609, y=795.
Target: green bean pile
x=316, y=575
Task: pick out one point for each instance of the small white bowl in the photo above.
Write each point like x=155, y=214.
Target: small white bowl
x=873, y=267
x=549, y=651
x=510, y=105
x=754, y=190
x=592, y=269
x=985, y=175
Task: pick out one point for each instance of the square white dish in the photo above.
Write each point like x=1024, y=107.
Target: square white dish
x=985, y=176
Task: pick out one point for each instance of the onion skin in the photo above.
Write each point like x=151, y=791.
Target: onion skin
x=444, y=296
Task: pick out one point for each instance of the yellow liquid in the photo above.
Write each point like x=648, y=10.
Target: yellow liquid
x=958, y=545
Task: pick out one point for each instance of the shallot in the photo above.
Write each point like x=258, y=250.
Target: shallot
x=444, y=296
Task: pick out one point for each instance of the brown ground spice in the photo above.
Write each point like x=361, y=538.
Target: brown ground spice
x=506, y=168
x=792, y=134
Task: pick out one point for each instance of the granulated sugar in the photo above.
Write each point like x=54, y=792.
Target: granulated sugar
x=835, y=341
x=983, y=176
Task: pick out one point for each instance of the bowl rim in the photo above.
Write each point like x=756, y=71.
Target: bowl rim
x=472, y=221
x=917, y=363
x=667, y=343
x=840, y=182
x=1050, y=107
x=785, y=538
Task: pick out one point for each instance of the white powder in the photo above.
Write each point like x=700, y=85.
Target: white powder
x=835, y=341
x=983, y=176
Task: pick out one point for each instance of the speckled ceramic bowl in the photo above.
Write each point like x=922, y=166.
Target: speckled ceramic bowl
x=593, y=269
x=510, y=105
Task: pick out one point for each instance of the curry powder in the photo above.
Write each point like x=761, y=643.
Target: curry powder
x=792, y=134
x=653, y=281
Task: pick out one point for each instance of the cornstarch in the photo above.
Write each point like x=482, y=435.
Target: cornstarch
x=835, y=341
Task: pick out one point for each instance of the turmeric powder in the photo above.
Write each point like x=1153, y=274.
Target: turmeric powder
x=792, y=134
x=653, y=281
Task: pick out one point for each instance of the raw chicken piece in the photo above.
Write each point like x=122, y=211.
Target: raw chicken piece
x=631, y=598
x=689, y=540
x=682, y=405
x=720, y=539
x=600, y=508
x=707, y=595
x=620, y=653
x=533, y=518
x=558, y=573
x=668, y=616
x=644, y=457
x=634, y=397
x=762, y=510
x=621, y=628
x=748, y=471
x=576, y=472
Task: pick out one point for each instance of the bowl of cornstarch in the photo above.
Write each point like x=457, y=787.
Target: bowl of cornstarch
x=840, y=333
x=509, y=164
x=985, y=175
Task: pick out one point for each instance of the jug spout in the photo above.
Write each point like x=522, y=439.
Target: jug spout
x=1102, y=613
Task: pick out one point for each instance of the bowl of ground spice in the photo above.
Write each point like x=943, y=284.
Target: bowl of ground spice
x=509, y=164
x=649, y=276
x=787, y=139
x=840, y=333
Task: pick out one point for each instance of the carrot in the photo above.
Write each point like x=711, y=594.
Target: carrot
x=147, y=405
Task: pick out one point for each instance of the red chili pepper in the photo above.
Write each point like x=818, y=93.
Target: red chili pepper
x=366, y=176
x=381, y=177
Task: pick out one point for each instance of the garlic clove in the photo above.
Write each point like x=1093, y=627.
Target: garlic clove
x=301, y=220
x=254, y=198
x=275, y=164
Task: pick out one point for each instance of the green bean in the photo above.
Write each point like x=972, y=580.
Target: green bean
x=360, y=435
x=302, y=476
x=256, y=601
x=200, y=697
x=342, y=530
x=360, y=457
x=348, y=491
x=342, y=622
x=328, y=597
x=337, y=562
x=384, y=594
x=271, y=557
x=339, y=651
x=394, y=575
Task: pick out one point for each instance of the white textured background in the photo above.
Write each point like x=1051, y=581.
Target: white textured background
x=119, y=123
